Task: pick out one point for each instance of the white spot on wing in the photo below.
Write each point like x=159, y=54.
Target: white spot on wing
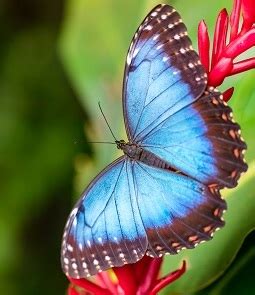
x=135, y=52
x=148, y=28
x=129, y=58
x=69, y=248
x=75, y=210
x=155, y=37
x=159, y=46
x=75, y=222
x=95, y=262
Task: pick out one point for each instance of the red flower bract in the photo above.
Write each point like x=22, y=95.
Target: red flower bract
x=232, y=37
x=248, y=8
x=140, y=278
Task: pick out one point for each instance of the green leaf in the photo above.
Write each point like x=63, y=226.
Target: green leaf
x=239, y=278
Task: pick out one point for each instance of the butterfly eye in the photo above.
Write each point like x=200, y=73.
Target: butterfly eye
x=120, y=143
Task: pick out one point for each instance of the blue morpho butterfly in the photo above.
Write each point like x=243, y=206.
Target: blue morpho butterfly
x=163, y=194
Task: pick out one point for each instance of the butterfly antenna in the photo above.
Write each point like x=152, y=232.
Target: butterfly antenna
x=82, y=141
x=106, y=121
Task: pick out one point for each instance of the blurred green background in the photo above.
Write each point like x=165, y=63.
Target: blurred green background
x=57, y=60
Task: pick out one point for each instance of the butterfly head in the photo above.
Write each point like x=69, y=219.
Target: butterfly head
x=120, y=144
x=131, y=150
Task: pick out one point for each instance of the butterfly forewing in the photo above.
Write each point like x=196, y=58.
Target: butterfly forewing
x=202, y=141
x=163, y=73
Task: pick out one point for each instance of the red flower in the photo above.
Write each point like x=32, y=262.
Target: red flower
x=230, y=40
x=227, y=48
x=140, y=278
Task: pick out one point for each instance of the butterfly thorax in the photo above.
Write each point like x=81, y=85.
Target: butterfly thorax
x=138, y=153
x=131, y=150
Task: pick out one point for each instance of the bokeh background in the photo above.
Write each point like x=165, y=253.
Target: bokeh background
x=57, y=60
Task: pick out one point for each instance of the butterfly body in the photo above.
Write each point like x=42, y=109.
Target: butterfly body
x=136, y=153
x=163, y=194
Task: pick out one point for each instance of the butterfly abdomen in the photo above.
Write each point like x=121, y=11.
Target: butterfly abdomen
x=135, y=152
x=152, y=160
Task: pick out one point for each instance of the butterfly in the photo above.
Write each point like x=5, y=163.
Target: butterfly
x=163, y=194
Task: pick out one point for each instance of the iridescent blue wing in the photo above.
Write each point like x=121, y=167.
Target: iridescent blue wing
x=202, y=141
x=177, y=212
x=167, y=110
x=105, y=228
x=132, y=209
x=163, y=72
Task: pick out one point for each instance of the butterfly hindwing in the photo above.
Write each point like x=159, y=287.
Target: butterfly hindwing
x=163, y=73
x=177, y=212
x=132, y=209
